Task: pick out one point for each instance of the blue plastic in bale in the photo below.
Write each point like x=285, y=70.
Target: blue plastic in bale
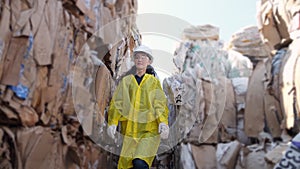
x=20, y=90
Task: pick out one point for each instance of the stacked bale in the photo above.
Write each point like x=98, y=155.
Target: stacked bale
x=203, y=96
x=53, y=95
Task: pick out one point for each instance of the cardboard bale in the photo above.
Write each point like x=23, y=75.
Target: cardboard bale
x=43, y=143
x=58, y=81
x=275, y=155
x=220, y=111
x=37, y=144
x=192, y=104
x=15, y=8
x=271, y=106
x=267, y=25
x=202, y=32
x=11, y=155
x=297, y=82
x=109, y=30
x=5, y=33
x=273, y=115
x=219, y=114
x=53, y=102
x=186, y=158
x=53, y=94
x=103, y=89
x=49, y=36
x=256, y=159
x=252, y=157
x=5, y=22
x=210, y=107
x=229, y=116
x=227, y=154
x=209, y=133
x=254, y=110
x=246, y=37
x=248, y=42
x=54, y=15
x=282, y=18
x=287, y=84
x=37, y=16
x=43, y=44
x=13, y=60
x=22, y=25
x=197, y=111
x=94, y=156
x=229, y=113
x=40, y=83
x=204, y=156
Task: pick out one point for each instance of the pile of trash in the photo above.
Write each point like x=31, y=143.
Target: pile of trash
x=253, y=127
x=49, y=107
x=203, y=96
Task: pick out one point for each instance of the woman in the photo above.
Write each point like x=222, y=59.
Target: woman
x=140, y=105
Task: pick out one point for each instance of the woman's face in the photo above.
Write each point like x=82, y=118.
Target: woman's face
x=141, y=60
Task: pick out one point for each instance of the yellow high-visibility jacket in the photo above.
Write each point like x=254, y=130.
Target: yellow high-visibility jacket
x=140, y=109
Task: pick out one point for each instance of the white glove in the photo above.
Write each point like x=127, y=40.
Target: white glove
x=111, y=131
x=163, y=129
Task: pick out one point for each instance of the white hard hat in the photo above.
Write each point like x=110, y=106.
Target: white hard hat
x=145, y=49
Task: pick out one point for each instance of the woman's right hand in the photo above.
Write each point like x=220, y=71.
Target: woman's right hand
x=163, y=129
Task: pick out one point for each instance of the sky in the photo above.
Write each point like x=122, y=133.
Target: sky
x=229, y=15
